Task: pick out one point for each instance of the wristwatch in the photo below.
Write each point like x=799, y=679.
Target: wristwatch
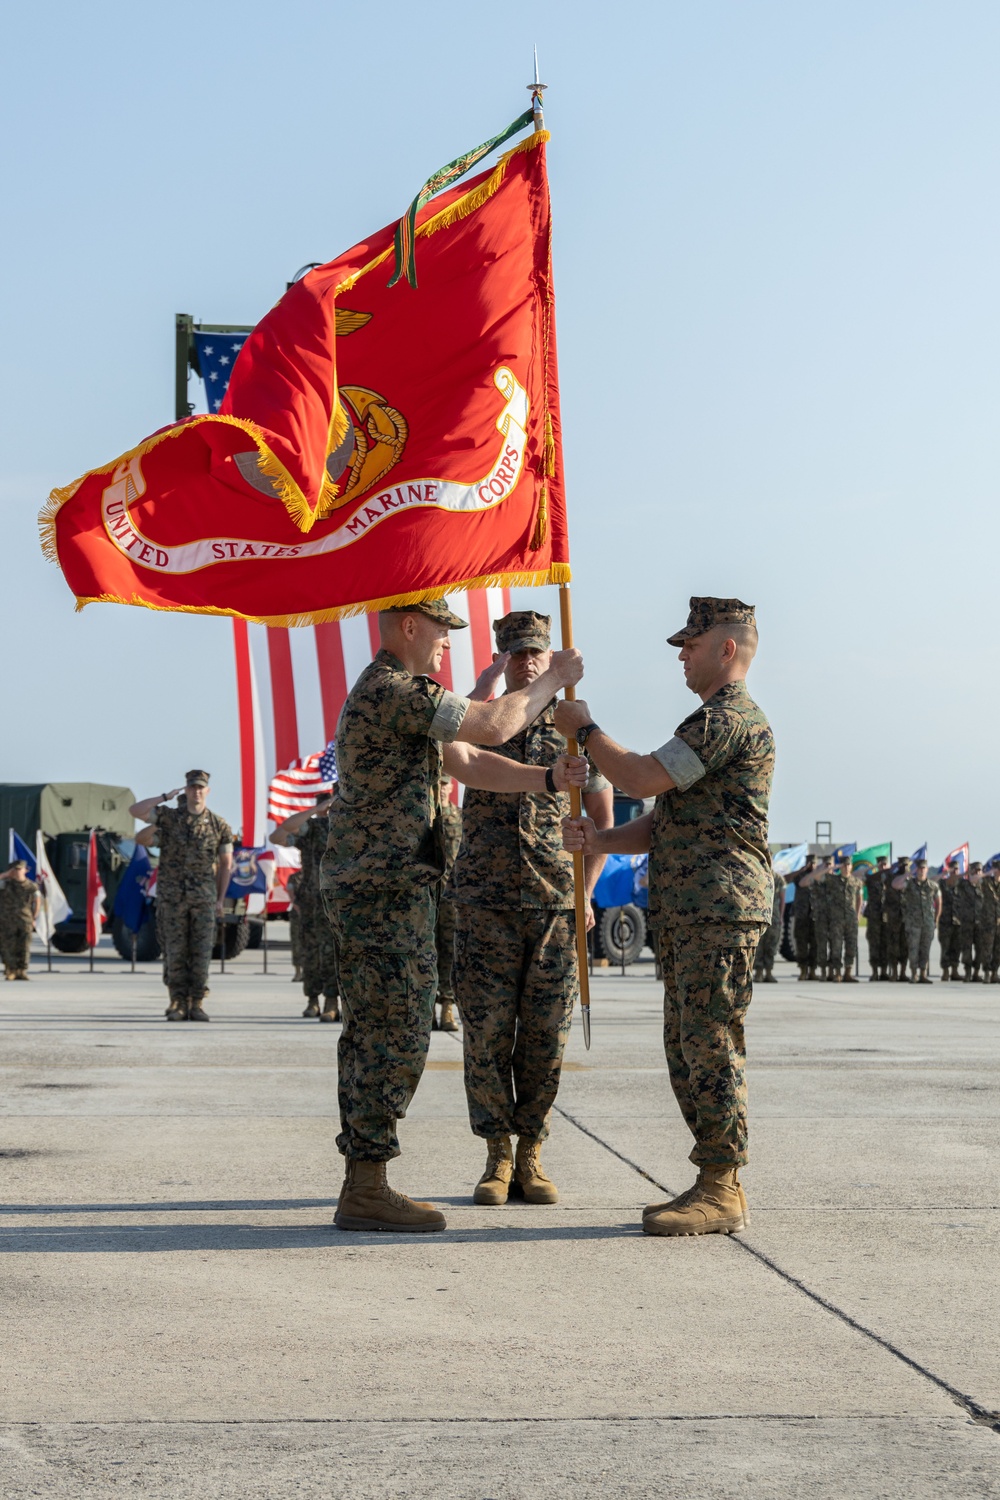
x=582, y=735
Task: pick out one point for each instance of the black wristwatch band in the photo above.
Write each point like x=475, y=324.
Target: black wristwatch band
x=550, y=780
x=584, y=733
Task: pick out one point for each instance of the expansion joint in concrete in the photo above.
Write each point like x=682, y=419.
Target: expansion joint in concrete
x=977, y=1413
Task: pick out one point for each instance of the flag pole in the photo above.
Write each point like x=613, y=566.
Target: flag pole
x=536, y=89
x=579, y=885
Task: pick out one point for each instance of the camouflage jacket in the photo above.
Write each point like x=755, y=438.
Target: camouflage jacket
x=875, y=896
x=709, y=858
x=990, y=910
x=512, y=853
x=190, y=848
x=451, y=833
x=386, y=830
x=17, y=904
x=310, y=841
x=892, y=900
x=802, y=900
x=949, y=913
x=918, y=901
x=843, y=896
x=968, y=903
x=778, y=907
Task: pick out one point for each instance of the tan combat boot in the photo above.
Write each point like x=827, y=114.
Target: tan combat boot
x=803, y=974
x=177, y=1010
x=368, y=1202
x=449, y=1016
x=925, y=978
x=682, y=1198
x=331, y=1009
x=529, y=1176
x=849, y=977
x=715, y=1205
x=835, y=975
x=197, y=1012
x=494, y=1185
x=811, y=974
x=769, y=977
x=312, y=1008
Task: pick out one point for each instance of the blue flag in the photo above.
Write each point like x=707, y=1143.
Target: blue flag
x=216, y=356
x=843, y=850
x=920, y=853
x=249, y=871
x=20, y=850
x=131, y=901
x=623, y=881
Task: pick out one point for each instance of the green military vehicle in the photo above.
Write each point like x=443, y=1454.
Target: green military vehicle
x=66, y=811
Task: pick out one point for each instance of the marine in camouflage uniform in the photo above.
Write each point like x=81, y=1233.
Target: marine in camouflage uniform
x=968, y=910
x=921, y=903
x=196, y=851
x=451, y=833
x=875, y=918
x=317, y=943
x=892, y=908
x=20, y=899
x=711, y=894
x=948, y=924
x=767, y=948
x=294, y=927
x=820, y=903
x=803, y=931
x=382, y=875
x=516, y=967
x=843, y=901
x=988, y=941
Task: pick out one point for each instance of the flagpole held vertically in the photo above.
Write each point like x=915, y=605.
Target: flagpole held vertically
x=579, y=883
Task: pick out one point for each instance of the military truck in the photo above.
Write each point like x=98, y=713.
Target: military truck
x=66, y=811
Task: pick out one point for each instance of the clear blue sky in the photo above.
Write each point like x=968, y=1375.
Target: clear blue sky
x=777, y=279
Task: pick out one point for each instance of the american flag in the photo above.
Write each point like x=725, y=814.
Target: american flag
x=328, y=762
x=216, y=356
x=296, y=788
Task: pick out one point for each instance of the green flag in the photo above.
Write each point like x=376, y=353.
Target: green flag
x=867, y=857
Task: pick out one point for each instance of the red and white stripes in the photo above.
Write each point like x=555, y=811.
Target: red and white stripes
x=291, y=685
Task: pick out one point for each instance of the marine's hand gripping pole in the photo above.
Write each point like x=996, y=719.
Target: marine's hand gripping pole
x=579, y=883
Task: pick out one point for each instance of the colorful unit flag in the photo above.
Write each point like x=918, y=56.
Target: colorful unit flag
x=959, y=857
x=54, y=908
x=863, y=860
x=95, y=894
x=920, y=853
x=132, y=899
x=18, y=849
x=787, y=861
x=253, y=870
x=375, y=445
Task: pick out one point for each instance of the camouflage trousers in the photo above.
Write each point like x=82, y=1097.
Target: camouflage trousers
x=445, y=941
x=15, y=946
x=969, y=941
x=948, y=936
x=843, y=941
x=919, y=936
x=388, y=984
x=895, y=939
x=987, y=948
x=876, y=942
x=187, y=931
x=805, y=942
x=707, y=986
x=821, y=928
x=295, y=936
x=767, y=948
x=516, y=984
x=317, y=952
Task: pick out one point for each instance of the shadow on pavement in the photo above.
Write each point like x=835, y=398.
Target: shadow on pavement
x=76, y=1239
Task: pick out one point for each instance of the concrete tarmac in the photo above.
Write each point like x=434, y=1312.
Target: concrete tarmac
x=179, y=1318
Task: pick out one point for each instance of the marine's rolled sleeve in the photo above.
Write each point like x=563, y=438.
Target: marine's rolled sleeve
x=447, y=720
x=680, y=763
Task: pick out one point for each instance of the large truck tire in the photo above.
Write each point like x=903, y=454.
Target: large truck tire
x=147, y=948
x=256, y=934
x=69, y=942
x=620, y=926
x=237, y=936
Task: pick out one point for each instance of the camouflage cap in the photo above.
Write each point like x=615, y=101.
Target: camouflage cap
x=523, y=630
x=434, y=609
x=197, y=778
x=704, y=613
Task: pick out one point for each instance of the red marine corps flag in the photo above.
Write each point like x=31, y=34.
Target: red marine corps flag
x=378, y=444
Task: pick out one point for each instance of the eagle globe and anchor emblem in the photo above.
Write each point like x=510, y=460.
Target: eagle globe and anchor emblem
x=372, y=445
